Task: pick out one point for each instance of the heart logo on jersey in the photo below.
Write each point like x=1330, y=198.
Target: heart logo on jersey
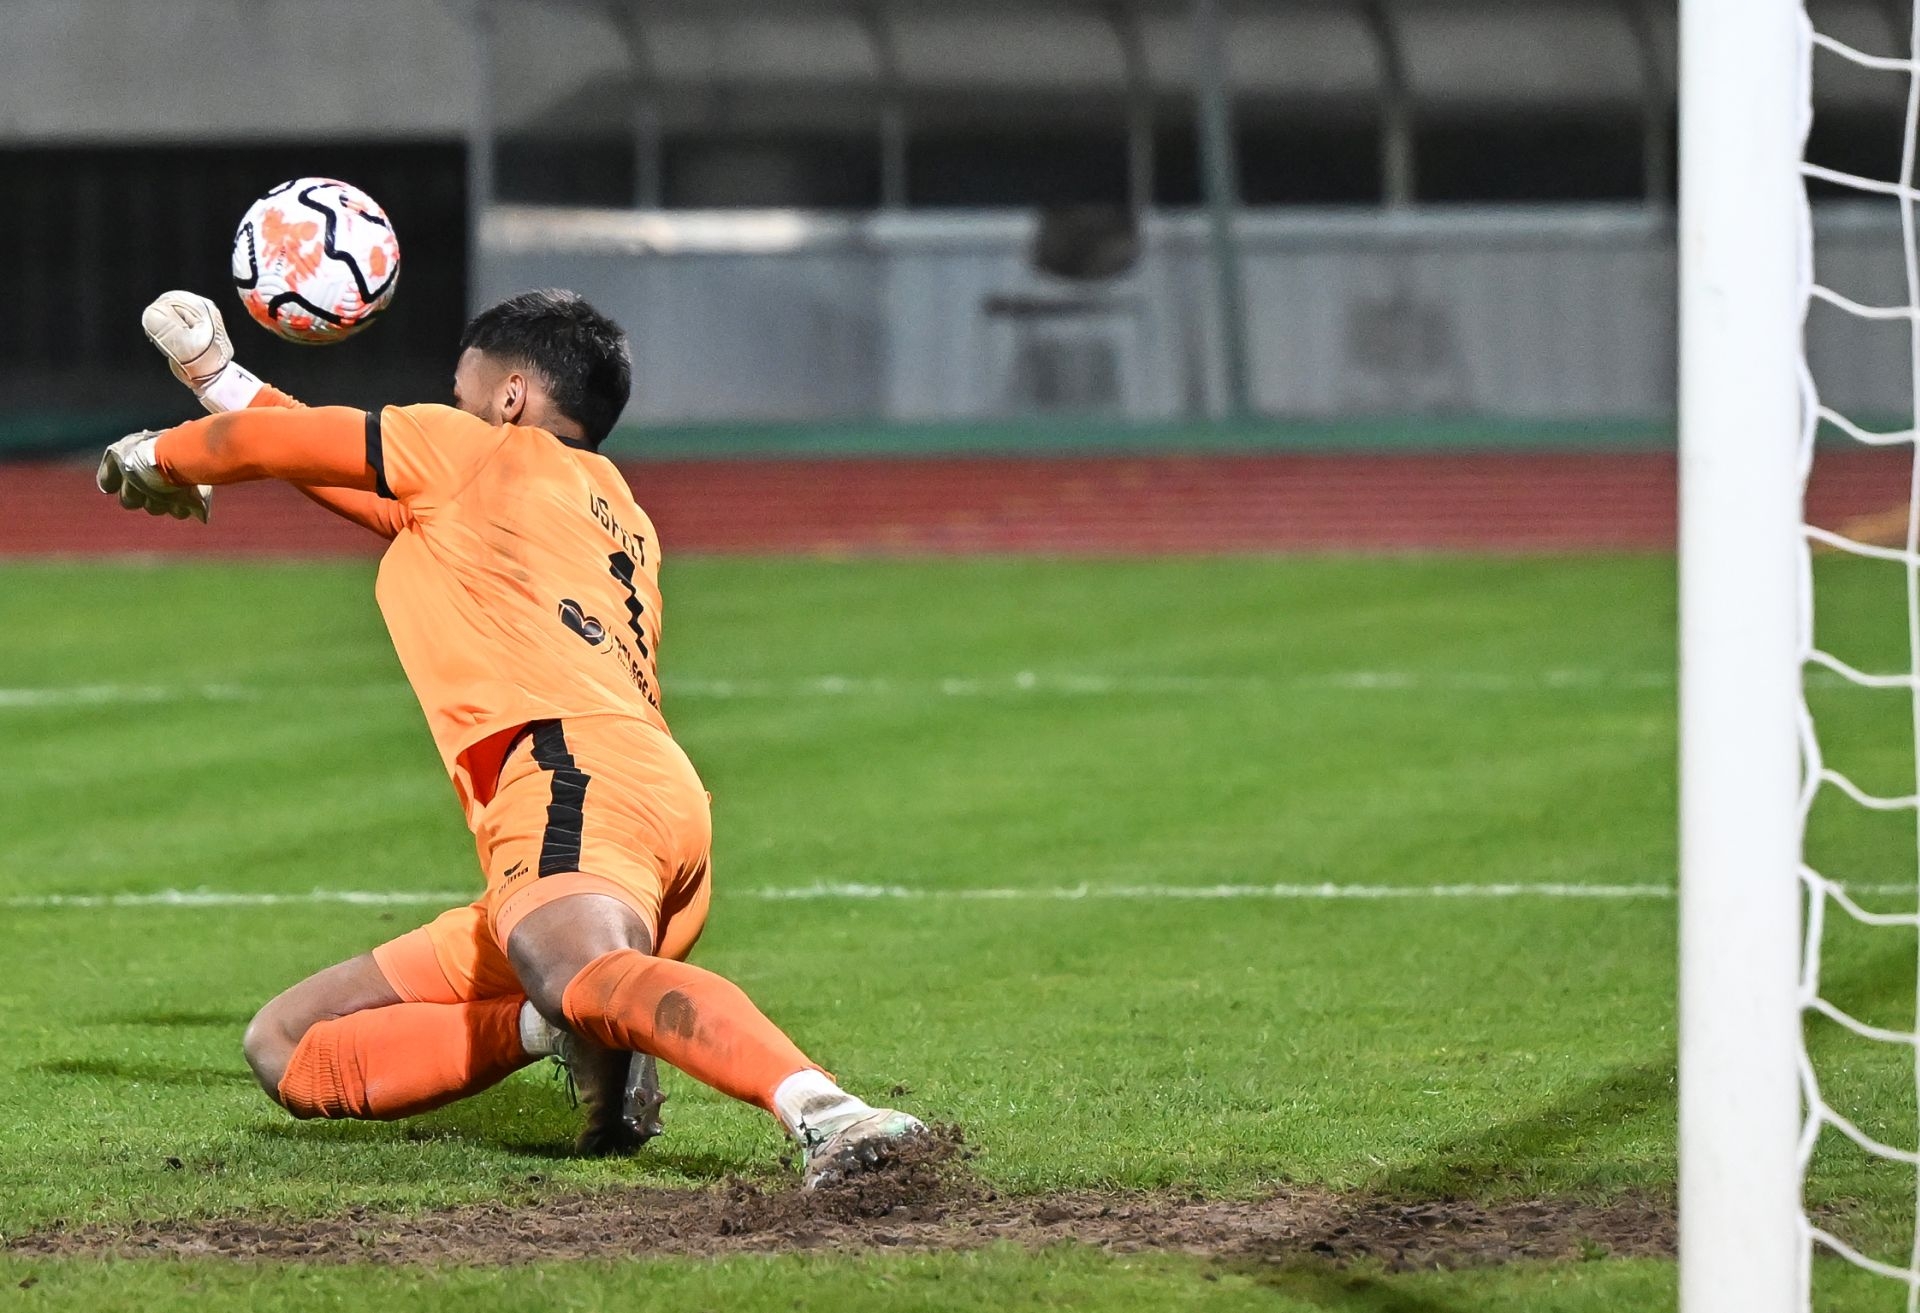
x=574, y=617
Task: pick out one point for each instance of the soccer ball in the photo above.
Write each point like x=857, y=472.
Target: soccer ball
x=315, y=260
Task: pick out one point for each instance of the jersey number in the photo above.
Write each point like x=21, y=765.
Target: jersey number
x=620, y=566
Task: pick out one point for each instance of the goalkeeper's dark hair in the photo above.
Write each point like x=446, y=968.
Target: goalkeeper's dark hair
x=579, y=353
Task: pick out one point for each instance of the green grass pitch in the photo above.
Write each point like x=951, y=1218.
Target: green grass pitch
x=942, y=726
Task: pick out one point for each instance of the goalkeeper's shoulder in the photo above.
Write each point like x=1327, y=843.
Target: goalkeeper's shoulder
x=436, y=414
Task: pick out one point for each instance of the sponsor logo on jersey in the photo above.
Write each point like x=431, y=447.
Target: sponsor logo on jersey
x=575, y=617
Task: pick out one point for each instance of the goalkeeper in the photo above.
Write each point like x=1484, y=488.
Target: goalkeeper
x=521, y=590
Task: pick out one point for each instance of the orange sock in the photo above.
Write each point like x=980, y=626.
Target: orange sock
x=699, y=1022
x=399, y=1060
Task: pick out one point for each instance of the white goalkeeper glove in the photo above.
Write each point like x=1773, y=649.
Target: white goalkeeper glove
x=189, y=332
x=128, y=468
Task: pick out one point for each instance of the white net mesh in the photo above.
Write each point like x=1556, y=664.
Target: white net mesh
x=1860, y=717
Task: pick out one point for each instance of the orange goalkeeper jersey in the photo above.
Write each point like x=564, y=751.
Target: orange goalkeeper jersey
x=522, y=582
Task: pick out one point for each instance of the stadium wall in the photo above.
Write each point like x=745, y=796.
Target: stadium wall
x=1465, y=321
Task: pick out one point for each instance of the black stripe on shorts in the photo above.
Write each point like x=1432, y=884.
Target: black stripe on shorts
x=566, y=812
x=377, y=456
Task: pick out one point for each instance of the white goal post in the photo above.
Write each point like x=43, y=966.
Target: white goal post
x=1743, y=276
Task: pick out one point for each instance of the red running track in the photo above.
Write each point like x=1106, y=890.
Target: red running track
x=1116, y=505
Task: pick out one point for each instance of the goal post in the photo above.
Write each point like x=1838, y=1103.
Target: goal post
x=1742, y=249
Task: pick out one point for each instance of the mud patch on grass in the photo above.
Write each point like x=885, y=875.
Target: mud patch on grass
x=924, y=1199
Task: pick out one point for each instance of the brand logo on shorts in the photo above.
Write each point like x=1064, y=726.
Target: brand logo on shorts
x=514, y=872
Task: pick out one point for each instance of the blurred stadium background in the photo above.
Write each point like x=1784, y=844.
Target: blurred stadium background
x=914, y=229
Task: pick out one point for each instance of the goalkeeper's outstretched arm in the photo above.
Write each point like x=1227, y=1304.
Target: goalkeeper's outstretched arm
x=324, y=446
x=173, y=473
x=188, y=330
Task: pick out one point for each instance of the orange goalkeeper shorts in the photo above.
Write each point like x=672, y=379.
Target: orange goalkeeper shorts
x=608, y=801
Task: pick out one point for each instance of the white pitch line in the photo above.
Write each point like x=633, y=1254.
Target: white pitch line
x=243, y=898
x=1025, y=682
x=1462, y=681
x=92, y=695
x=960, y=686
x=1020, y=683
x=194, y=898
x=1076, y=893
x=848, y=892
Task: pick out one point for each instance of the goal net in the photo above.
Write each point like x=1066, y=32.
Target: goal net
x=1859, y=1058
x=1800, y=565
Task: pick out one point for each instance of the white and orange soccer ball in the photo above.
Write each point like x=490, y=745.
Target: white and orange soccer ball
x=315, y=260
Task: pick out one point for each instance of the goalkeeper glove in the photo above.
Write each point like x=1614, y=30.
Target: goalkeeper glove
x=189, y=332
x=128, y=467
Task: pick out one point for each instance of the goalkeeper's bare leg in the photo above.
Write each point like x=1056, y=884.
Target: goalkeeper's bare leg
x=325, y=1047
x=344, y=1043
x=586, y=961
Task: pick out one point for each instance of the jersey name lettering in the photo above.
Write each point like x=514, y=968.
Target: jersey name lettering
x=635, y=546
